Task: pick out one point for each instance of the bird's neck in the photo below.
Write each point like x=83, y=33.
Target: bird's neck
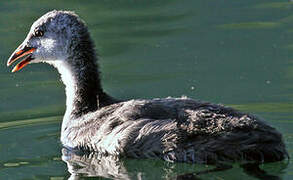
x=83, y=89
x=79, y=73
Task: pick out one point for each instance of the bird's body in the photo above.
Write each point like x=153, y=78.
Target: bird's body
x=174, y=129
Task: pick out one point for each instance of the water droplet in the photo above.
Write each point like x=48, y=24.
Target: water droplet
x=268, y=82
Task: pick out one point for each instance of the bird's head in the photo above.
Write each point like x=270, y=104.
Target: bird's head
x=51, y=38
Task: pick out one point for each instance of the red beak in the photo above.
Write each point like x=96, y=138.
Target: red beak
x=18, y=53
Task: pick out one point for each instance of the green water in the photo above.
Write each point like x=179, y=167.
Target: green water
x=238, y=53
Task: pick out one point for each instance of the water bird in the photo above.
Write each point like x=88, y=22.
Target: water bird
x=173, y=129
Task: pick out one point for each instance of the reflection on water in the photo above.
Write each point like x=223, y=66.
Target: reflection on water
x=94, y=165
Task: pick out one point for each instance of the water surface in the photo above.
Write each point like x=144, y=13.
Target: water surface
x=237, y=53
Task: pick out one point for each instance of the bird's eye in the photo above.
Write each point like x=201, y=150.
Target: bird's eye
x=39, y=33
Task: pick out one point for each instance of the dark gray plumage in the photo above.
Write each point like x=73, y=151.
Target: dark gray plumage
x=174, y=129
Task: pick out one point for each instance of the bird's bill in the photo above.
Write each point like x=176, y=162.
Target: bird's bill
x=21, y=51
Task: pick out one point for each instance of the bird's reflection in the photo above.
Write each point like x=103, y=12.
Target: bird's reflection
x=93, y=165
x=82, y=165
